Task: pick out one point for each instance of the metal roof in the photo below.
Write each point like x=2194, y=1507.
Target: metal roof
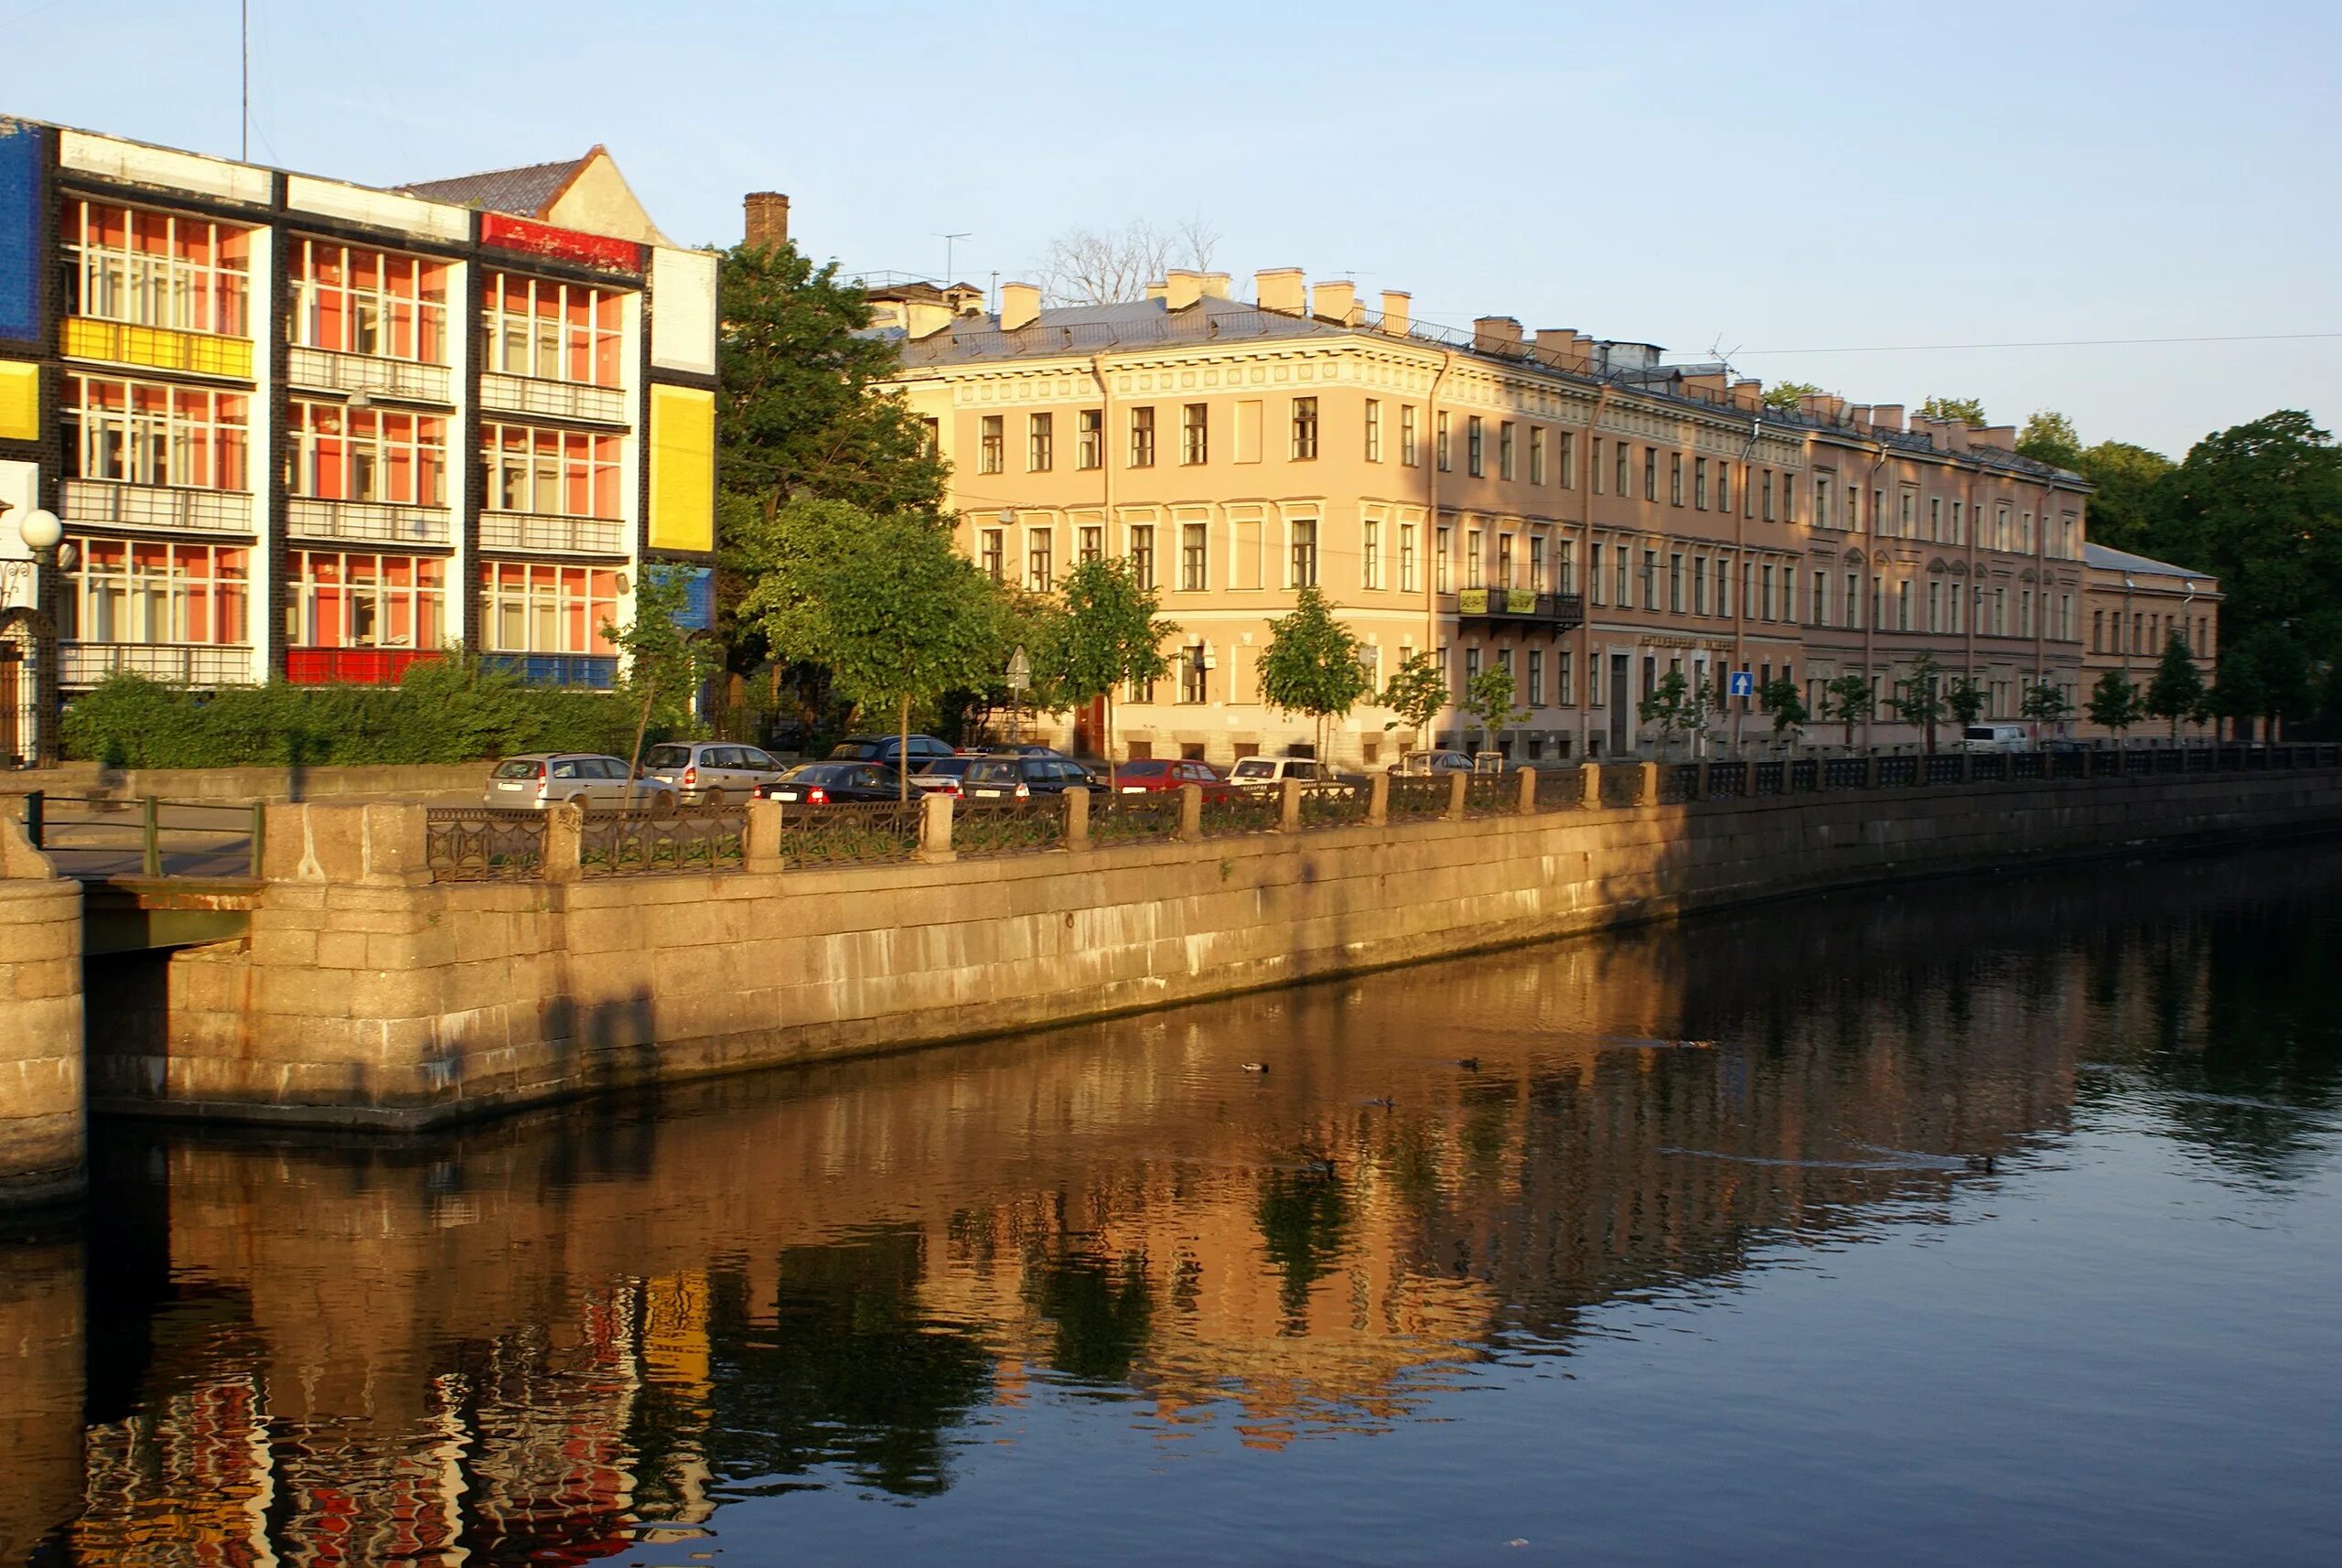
x=2109, y=559
x=525, y=192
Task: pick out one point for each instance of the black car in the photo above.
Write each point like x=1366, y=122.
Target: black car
x=834, y=783
x=1021, y=778
x=923, y=749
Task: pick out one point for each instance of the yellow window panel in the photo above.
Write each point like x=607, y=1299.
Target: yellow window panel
x=123, y=343
x=683, y=468
x=20, y=402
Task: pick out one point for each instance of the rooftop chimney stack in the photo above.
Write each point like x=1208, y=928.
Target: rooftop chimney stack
x=1281, y=289
x=768, y=218
x=1336, y=301
x=1020, y=305
x=1397, y=307
x=925, y=318
x=1496, y=335
x=1182, y=288
x=1215, y=285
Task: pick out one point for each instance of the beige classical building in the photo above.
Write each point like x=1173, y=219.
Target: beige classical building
x=1571, y=508
x=2132, y=603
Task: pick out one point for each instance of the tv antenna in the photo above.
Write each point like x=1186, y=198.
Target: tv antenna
x=948, y=241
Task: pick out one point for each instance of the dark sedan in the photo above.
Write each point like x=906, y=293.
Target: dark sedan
x=834, y=783
x=1021, y=778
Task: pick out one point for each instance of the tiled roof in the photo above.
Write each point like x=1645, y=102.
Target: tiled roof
x=525, y=192
x=2106, y=558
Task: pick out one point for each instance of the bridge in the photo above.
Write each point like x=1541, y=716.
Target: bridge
x=154, y=872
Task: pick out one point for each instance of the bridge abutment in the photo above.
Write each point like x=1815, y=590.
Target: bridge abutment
x=43, y=1124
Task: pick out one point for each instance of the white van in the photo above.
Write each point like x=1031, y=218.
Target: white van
x=1995, y=738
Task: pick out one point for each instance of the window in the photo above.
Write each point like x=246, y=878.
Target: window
x=1853, y=600
x=1406, y=557
x=1471, y=667
x=1568, y=553
x=337, y=600
x=1788, y=499
x=1675, y=582
x=534, y=607
x=1472, y=558
x=1370, y=553
x=155, y=269
x=1040, y=565
x=138, y=590
x=1476, y=457
x=1569, y=461
x=1699, y=482
x=1195, y=433
x=1504, y=560
x=143, y=432
x=1409, y=452
x=1622, y=453
x=1504, y=449
x=1724, y=486
x=1594, y=570
x=1619, y=555
x=1935, y=518
x=369, y=455
x=357, y=301
x=1819, y=602
x=1650, y=579
x=1305, y=429
x=1564, y=682
x=552, y=331
x=989, y=552
x=1675, y=479
x=1193, y=576
x=1444, y=457
x=1440, y=544
x=1040, y=443
x=1877, y=511
x=1536, y=697
x=1195, y=675
x=992, y=445
x=1304, y=553
x=1821, y=502
x=1142, y=554
x=1536, y=454
x=1537, y=581
x=1953, y=537
x=551, y=473
x=1765, y=592
x=1374, y=430
x=2024, y=612
x=1090, y=439
x=1767, y=484
x=1090, y=544
x=1699, y=585
x=1935, y=606
x=1651, y=475
x=1723, y=586
x=930, y=437
x=1143, y=437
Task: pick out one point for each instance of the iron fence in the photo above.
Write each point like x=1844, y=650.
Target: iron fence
x=1898, y=772
x=631, y=844
x=1243, y=811
x=1560, y=788
x=1941, y=768
x=1008, y=827
x=1678, y=782
x=2030, y=764
x=481, y=844
x=1413, y=800
x=1769, y=779
x=1727, y=780
x=1131, y=818
x=849, y=832
x=1805, y=776
x=1847, y=772
x=1334, y=805
x=1491, y=794
x=1988, y=765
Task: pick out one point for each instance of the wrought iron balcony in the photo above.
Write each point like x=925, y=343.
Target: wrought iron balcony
x=501, y=394
x=1553, y=612
x=167, y=508
x=325, y=369
x=377, y=523
x=551, y=534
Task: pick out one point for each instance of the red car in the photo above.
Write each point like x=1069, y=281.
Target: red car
x=1152, y=775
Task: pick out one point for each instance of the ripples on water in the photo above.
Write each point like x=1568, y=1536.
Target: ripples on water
x=1989, y=1223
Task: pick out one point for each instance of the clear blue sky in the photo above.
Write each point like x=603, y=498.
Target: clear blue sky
x=1765, y=175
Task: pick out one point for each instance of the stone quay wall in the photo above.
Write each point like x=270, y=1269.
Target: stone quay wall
x=240, y=785
x=41, y=1121
x=368, y=995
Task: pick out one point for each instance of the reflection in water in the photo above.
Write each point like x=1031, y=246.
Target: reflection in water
x=571, y=1336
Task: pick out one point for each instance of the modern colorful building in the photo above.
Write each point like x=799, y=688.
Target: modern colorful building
x=302, y=429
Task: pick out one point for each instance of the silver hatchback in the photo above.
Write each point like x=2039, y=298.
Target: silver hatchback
x=599, y=783
x=712, y=773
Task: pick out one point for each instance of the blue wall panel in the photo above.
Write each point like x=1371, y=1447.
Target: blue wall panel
x=20, y=211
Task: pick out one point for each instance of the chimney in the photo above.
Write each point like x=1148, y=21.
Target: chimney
x=1496, y=335
x=1749, y=394
x=1556, y=346
x=1158, y=289
x=927, y=317
x=1861, y=417
x=1887, y=415
x=1020, y=305
x=1999, y=436
x=1336, y=301
x=1182, y=288
x=1281, y=289
x=1395, y=317
x=768, y=218
x=1215, y=285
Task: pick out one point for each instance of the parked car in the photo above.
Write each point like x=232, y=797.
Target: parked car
x=1995, y=738
x=1151, y=775
x=1267, y=772
x=834, y=783
x=944, y=775
x=1021, y=778
x=711, y=773
x=537, y=779
x=1418, y=763
x=887, y=748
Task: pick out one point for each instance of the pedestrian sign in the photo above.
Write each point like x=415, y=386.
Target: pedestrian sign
x=1743, y=684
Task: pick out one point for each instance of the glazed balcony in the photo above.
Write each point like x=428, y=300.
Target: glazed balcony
x=155, y=348
x=169, y=509
x=85, y=664
x=325, y=369
x=545, y=533
x=370, y=522
x=501, y=394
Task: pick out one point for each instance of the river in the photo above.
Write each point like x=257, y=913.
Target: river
x=1984, y=1222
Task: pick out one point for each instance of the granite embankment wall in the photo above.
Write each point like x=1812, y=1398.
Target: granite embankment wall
x=368, y=995
x=41, y=1137
x=242, y=785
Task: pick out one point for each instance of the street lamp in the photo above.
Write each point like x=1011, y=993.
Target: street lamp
x=42, y=533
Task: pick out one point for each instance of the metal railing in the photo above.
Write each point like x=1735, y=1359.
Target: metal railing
x=329, y=369
x=1334, y=805
x=1413, y=800
x=1129, y=819
x=479, y=845
x=1244, y=811
x=174, y=664
x=849, y=832
x=502, y=393
x=104, y=836
x=174, y=509
x=631, y=844
x=1008, y=827
x=1490, y=794
x=375, y=522
x=551, y=533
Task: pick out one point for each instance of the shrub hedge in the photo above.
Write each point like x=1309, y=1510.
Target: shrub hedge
x=449, y=710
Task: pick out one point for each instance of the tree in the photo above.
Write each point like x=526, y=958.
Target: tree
x=1965, y=701
x=1113, y=266
x=665, y=664
x=1847, y=699
x=1919, y=697
x=897, y=616
x=2176, y=689
x=2128, y=500
x=1311, y=664
x=1968, y=411
x=1417, y=691
x=1781, y=697
x=2260, y=506
x=1677, y=705
x=2049, y=437
x=1785, y=395
x=2113, y=702
x=2046, y=704
x=1488, y=697
x=1108, y=638
x=2265, y=675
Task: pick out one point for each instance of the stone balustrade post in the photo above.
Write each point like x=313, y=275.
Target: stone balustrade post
x=1870, y=771
x=1458, y=785
x=1191, y=811
x=1967, y=768
x=1700, y=781
x=760, y=839
x=1288, y=805
x=1589, y=784
x=564, y=842
x=1077, y=818
x=1647, y=785
x=1378, y=801
x=1527, y=801
x=374, y=843
x=935, y=828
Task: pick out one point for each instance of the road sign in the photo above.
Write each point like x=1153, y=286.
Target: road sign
x=1743, y=684
x=1020, y=671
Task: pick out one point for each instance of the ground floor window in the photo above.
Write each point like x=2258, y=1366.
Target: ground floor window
x=364, y=600
x=136, y=590
x=543, y=608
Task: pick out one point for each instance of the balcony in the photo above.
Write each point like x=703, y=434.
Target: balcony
x=164, y=507
x=85, y=664
x=324, y=369
x=547, y=534
x=351, y=666
x=501, y=393
x=1549, y=612
x=157, y=347
x=598, y=672
x=371, y=522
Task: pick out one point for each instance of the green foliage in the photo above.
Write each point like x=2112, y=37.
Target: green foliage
x=1677, y=706
x=1918, y=696
x=2127, y=506
x=2264, y=674
x=1847, y=700
x=2177, y=690
x=2260, y=506
x=1311, y=664
x=2050, y=437
x=1416, y=693
x=2043, y=704
x=666, y=664
x=1109, y=637
x=1966, y=701
x=2114, y=703
x=1488, y=698
x=1785, y=701
x=446, y=711
x=1968, y=411
x=1785, y=395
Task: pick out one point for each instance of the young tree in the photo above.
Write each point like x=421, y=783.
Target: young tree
x=897, y=614
x=1785, y=395
x=2049, y=437
x=1847, y=700
x=1782, y=697
x=1417, y=691
x=1965, y=701
x=1311, y=665
x=665, y=664
x=1968, y=411
x=2046, y=705
x=2113, y=702
x=2175, y=691
x=1488, y=697
x=1918, y=698
x=1108, y=638
x=1677, y=706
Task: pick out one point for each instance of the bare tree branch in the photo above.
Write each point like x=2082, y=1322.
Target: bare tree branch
x=1112, y=266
